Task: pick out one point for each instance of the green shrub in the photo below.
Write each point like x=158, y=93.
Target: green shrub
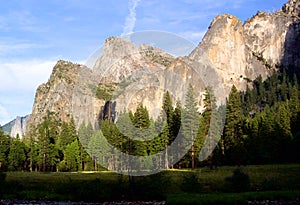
x=238, y=182
x=191, y=183
x=151, y=187
x=105, y=91
x=2, y=182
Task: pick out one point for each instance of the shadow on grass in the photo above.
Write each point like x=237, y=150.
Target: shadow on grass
x=104, y=186
x=231, y=198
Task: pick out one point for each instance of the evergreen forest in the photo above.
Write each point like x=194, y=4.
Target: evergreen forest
x=257, y=126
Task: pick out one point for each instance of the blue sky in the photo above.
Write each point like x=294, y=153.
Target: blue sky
x=34, y=34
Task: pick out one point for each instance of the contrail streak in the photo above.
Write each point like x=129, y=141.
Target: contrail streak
x=131, y=18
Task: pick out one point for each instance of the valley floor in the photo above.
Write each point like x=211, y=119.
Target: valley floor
x=279, y=184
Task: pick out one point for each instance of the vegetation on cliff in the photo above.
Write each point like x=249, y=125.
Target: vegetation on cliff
x=261, y=127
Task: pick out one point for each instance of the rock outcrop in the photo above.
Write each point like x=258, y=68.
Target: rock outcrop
x=258, y=47
x=19, y=128
x=16, y=127
x=231, y=53
x=70, y=92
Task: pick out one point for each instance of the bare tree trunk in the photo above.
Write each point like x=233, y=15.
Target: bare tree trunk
x=30, y=165
x=193, y=157
x=44, y=162
x=166, y=159
x=95, y=164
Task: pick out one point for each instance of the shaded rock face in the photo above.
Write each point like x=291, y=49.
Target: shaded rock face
x=108, y=112
x=230, y=53
x=292, y=8
x=291, y=56
x=16, y=127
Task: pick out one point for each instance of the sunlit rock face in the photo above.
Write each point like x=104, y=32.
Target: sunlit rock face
x=232, y=52
x=258, y=47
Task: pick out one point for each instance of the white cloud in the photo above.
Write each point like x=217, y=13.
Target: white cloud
x=4, y=115
x=24, y=75
x=19, y=81
x=131, y=18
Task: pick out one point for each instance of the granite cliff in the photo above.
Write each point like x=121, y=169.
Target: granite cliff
x=231, y=52
x=16, y=127
x=70, y=92
x=261, y=45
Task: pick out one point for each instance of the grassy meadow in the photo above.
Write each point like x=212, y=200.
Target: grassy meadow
x=192, y=186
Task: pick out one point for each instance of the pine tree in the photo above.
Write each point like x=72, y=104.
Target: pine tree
x=284, y=87
x=47, y=136
x=44, y=143
x=168, y=110
x=83, y=135
x=98, y=149
x=17, y=155
x=248, y=101
x=53, y=157
x=233, y=128
x=72, y=156
x=4, y=150
x=31, y=143
x=283, y=132
x=176, y=120
x=266, y=134
x=190, y=123
x=155, y=145
x=209, y=125
x=165, y=136
x=142, y=132
x=141, y=117
x=294, y=103
x=260, y=89
x=68, y=134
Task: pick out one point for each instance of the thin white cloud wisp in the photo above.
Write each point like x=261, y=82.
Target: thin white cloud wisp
x=24, y=75
x=131, y=18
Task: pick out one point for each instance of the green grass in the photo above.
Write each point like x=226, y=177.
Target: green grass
x=231, y=198
x=265, y=180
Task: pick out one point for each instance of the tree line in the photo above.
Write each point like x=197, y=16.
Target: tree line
x=257, y=126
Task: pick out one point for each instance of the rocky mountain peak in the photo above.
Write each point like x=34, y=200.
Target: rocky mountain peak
x=118, y=47
x=225, y=18
x=63, y=70
x=219, y=31
x=19, y=127
x=121, y=58
x=244, y=51
x=115, y=51
x=156, y=55
x=292, y=8
x=16, y=127
x=231, y=53
x=59, y=93
x=223, y=47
